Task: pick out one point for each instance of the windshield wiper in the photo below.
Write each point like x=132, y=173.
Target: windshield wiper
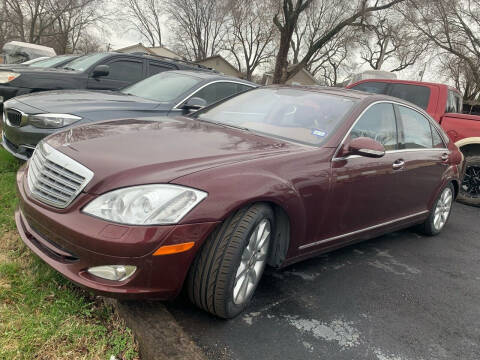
x=69, y=68
x=224, y=124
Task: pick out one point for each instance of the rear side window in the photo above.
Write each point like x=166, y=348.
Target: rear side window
x=217, y=91
x=417, y=131
x=438, y=142
x=454, y=103
x=156, y=68
x=372, y=87
x=379, y=124
x=418, y=95
x=125, y=70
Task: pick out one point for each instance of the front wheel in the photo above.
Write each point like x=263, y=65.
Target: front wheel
x=440, y=213
x=228, y=268
x=470, y=190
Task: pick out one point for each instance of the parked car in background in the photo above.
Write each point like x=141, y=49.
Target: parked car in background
x=140, y=207
x=29, y=118
x=42, y=62
x=444, y=104
x=99, y=71
x=15, y=52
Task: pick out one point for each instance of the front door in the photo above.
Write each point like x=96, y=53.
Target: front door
x=123, y=72
x=366, y=191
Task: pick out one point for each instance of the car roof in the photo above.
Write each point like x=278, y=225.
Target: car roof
x=212, y=76
x=362, y=96
x=409, y=82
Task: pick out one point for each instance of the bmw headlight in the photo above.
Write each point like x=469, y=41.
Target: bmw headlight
x=52, y=121
x=7, y=76
x=160, y=204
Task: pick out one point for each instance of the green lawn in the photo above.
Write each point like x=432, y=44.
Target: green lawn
x=42, y=315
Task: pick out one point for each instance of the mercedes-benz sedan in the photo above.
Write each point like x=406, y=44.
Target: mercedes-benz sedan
x=142, y=208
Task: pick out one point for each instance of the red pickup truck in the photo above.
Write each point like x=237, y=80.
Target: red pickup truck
x=444, y=104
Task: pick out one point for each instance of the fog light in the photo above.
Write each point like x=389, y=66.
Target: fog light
x=113, y=272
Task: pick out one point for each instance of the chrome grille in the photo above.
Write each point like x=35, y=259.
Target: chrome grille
x=54, y=178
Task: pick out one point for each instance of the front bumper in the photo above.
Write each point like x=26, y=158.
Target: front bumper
x=71, y=242
x=22, y=152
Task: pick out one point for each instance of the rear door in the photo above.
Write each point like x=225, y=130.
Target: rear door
x=123, y=72
x=425, y=158
x=366, y=191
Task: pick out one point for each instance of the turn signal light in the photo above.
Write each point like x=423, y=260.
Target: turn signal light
x=174, y=249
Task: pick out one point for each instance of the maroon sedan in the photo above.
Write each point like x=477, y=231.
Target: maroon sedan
x=141, y=208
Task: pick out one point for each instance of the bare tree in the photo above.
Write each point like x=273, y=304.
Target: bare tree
x=251, y=34
x=457, y=71
x=50, y=22
x=144, y=16
x=286, y=21
x=330, y=61
x=453, y=26
x=198, y=27
x=390, y=41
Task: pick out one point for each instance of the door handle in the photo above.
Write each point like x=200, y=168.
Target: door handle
x=444, y=157
x=398, y=164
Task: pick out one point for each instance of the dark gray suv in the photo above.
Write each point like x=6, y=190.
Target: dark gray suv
x=29, y=118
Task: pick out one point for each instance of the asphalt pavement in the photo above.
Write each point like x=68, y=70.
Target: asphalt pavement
x=397, y=297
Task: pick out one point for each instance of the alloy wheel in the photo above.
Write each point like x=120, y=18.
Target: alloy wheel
x=471, y=181
x=442, y=210
x=252, y=263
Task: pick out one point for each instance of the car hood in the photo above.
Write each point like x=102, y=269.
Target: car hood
x=78, y=102
x=131, y=152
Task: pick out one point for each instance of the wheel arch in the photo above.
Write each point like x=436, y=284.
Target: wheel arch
x=469, y=146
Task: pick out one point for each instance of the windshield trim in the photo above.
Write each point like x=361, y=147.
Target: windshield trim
x=209, y=83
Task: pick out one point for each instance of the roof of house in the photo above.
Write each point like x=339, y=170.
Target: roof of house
x=221, y=58
x=303, y=70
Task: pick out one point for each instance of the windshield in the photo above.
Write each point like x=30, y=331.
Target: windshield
x=163, y=87
x=84, y=62
x=294, y=114
x=51, y=62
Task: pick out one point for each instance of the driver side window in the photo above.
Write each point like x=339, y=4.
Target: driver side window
x=379, y=124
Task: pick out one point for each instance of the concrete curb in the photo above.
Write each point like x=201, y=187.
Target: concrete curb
x=158, y=334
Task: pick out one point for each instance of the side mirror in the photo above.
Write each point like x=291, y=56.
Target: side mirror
x=194, y=103
x=364, y=146
x=101, y=70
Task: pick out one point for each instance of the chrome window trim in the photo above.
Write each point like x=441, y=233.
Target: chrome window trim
x=392, y=152
x=210, y=83
x=428, y=117
x=306, y=246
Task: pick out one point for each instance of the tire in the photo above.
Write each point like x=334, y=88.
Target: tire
x=470, y=189
x=212, y=278
x=440, y=213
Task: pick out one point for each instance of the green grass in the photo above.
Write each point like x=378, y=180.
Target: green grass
x=42, y=315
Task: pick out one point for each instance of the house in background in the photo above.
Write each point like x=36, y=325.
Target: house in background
x=218, y=63
x=158, y=50
x=303, y=77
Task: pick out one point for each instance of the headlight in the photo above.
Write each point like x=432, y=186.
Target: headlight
x=52, y=121
x=7, y=76
x=146, y=204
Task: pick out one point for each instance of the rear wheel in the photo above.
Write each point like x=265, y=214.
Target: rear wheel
x=440, y=213
x=228, y=268
x=470, y=190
